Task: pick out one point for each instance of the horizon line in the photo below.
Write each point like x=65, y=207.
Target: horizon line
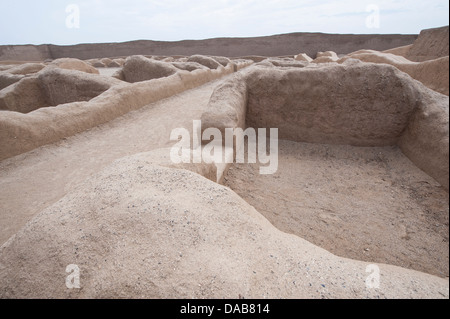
x=221, y=38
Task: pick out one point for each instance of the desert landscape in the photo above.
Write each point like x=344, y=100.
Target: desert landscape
x=87, y=177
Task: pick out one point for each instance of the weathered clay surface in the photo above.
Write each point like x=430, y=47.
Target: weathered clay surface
x=433, y=73
x=144, y=227
x=431, y=44
x=135, y=222
x=74, y=64
x=139, y=68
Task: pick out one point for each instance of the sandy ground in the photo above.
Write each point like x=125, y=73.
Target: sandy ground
x=34, y=180
x=369, y=204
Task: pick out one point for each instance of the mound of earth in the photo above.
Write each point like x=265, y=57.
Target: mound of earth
x=74, y=64
x=204, y=60
x=188, y=66
x=402, y=51
x=4, y=67
x=136, y=230
x=6, y=79
x=285, y=62
x=65, y=86
x=119, y=61
x=433, y=73
x=303, y=57
x=26, y=68
x=106, y=61
x=24, y=96
x=222, y=60
x=114, y=64
x=139, y=68
x=326, y=57
x=51, y=87
x=96, y=63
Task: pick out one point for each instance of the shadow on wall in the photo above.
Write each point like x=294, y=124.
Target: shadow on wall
x=360, y=104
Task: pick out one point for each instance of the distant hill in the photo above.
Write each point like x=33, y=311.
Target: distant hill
x=276, y=45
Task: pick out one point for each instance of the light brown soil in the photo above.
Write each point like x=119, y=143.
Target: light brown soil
x=369, y=204
x=32, y=181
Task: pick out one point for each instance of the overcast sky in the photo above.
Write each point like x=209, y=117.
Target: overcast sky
x=54, y=21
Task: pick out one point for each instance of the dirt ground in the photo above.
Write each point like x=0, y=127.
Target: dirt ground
x=369, y=204
x=32, y=181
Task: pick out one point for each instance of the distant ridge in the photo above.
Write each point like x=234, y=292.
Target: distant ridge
x=276, y=45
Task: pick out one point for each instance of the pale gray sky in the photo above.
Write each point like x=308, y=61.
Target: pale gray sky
x=46, y=21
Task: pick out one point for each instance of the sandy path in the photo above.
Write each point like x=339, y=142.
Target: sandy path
x=34, y=180
x=369, y=204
